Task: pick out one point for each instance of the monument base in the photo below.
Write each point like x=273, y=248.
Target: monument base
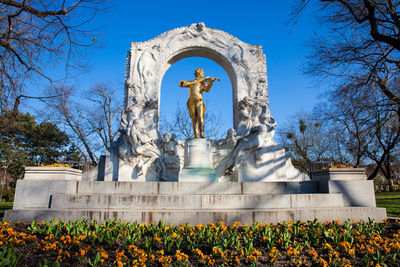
x=198, y=162
x=198, y=175
x=193, y=202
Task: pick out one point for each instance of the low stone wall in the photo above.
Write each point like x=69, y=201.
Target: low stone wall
x=52, y=173
x=341, y=174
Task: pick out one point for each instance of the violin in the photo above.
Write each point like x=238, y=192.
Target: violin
x=188, y=83
x=209, y=79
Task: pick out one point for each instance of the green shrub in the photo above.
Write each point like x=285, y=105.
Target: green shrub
x=8, y=195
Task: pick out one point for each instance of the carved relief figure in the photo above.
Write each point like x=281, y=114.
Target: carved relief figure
x=171, y=156
x=230, y=139
x=223, y=151
x=198, y=30
x=250, y=110
x=257, y=130
x=195, y=103
x=147, y=64
x=139, y=136
x=251, y=61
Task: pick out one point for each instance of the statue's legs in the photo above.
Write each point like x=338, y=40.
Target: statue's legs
x=195, y=128
x=201, y=108
x=193, y=116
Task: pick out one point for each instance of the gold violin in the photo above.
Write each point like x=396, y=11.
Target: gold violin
x=188, y=83
x=209, y=79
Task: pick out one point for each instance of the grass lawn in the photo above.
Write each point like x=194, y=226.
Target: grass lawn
x=5, y=206
x=390, y=201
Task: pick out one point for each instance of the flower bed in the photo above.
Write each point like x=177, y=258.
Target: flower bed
x=126, y=244
x=337, y=166
x=56, y=165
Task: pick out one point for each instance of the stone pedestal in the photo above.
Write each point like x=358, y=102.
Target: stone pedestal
x=52, y=173
x=339, y=174
x=352, y=183
x=198, y=162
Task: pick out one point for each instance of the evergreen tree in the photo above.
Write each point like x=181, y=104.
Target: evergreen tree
x=27, y=143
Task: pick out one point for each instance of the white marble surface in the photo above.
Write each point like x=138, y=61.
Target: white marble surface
x=198, y=154
x=247, y=154
x=343, y=174
x=52, y=173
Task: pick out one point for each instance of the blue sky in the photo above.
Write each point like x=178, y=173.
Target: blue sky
x=254, y=22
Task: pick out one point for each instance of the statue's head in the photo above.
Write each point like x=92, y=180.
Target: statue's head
x=200, y=26
x=231, y=133
x=167, y=137
x=199, y=73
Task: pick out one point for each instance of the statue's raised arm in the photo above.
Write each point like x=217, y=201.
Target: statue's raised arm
x=184, y=84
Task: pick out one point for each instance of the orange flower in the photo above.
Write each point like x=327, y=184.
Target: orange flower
x=237, y=260
x=174, y=235
x=83, y=252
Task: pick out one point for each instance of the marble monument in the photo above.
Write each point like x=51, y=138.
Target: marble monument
x=248, y=153
x=147, y=177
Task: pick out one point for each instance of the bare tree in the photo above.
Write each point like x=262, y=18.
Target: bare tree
x=385, y=146
x=103, y=113
x=307, y=140
x=93, y=125
x=369, y=127
x=357, y=54
x=359, y=47
x=36, y=34
x=351, y=117
x=181, y=125
x=64, y=110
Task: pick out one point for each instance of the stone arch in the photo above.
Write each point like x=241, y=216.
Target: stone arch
x=203, y=52
x=247, y=154
x=148, y=61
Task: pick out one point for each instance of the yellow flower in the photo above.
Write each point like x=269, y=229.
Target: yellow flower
x=174, y=235
x=322, y=262
x=157, y=239
x=337, y=166
x=55, y=165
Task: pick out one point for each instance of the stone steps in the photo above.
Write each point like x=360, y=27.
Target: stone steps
x=195, y=188
x=193, y=202
x=199, y=202
x=176, y=217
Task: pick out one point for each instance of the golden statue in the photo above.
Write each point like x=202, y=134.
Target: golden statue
x=195, y=103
